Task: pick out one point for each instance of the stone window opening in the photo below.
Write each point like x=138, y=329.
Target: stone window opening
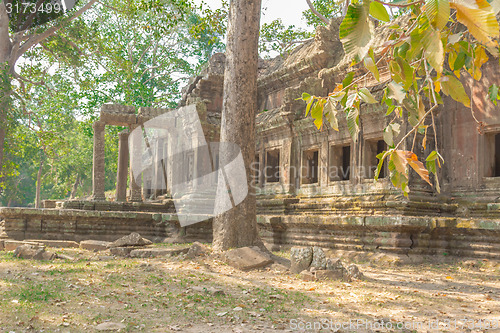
x=372, y=149
x=310, y=167
x=273, y=166
x=340, y=163
x=492, y=155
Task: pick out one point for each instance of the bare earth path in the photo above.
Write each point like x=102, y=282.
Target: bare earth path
x=161, y=295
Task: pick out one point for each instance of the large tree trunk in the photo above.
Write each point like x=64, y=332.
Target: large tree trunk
x=5, y=77
x=38, y=198
x=238, y=227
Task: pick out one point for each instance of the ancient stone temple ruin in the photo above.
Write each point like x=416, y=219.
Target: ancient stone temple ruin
x=315, y=187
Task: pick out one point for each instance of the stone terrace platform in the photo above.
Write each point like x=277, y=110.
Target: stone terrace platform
x=402, y=235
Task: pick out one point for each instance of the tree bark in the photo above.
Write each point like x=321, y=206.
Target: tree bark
x=75, y=186
x=238, y=227
x=39, y=182
x=5, y=77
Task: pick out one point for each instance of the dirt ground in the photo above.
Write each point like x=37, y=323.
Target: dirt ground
x=157, y=295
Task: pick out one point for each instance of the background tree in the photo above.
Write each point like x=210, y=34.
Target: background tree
x=238, y=226
x=98, y=57
x=20, y=30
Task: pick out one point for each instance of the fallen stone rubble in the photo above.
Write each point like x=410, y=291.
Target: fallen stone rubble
x=312, y=264
x=132, y=245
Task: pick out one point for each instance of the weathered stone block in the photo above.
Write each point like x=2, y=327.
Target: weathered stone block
x=197, y=250
x=94, y=245
x=134, y=239
x=326, y=274
x=56, y=243
x=301, y=258
x=354, y=272
x=1, y=245
x=319, y=258
x=11, y=245
x=121, y=251
x=247, y=258
x=157, y=252
x=28, y=251
x=307, y=276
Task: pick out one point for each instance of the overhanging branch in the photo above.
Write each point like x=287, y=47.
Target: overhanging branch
x=318, y=14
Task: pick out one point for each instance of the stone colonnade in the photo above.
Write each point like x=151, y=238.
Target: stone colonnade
x=118, y=115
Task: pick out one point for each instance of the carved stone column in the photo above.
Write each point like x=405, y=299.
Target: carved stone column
x=135, y=160
x=122, y=172
x=98, y=166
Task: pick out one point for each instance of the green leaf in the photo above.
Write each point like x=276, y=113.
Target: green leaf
x=493, y=93
x=396, y=91
x=356, y=31
x=331, y=114
x=389, y=136
x=459, y=61
x=438, y=12
x=348, y=79
x=306, y=97
x=391, y=132
x=434, y=51
x=369, y=63
x=353, y=122
x=309, y=105
x=378, y=11
x=454, y=88
x=381, y=158
x=317, y=113
x=367, y=96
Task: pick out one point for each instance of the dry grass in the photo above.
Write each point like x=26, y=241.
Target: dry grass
x=154, y=295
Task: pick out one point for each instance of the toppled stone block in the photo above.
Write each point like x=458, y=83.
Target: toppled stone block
x=279, y=268
x=334, y=264
x=28, y=251
x=121, y=251
x=134, y=239
x=64, y=257
x=55, y=243
x=354, y=272
x=301, y=258
x=337, y=268
x=197, y=250
x=318, y=258
x=326, y=274
x=307, y=276
x=11, y=245
x=94, y=245
x=247, y=258
x=157, y=252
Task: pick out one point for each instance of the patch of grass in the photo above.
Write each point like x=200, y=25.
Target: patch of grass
x=35, y=292
x=7, y=256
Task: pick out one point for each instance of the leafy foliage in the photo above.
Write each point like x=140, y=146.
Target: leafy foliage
x=423, y=58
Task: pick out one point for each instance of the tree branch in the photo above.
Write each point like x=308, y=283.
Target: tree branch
x=400, y=5
x=318, y=14
x=37, y=38
x=416, y=126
